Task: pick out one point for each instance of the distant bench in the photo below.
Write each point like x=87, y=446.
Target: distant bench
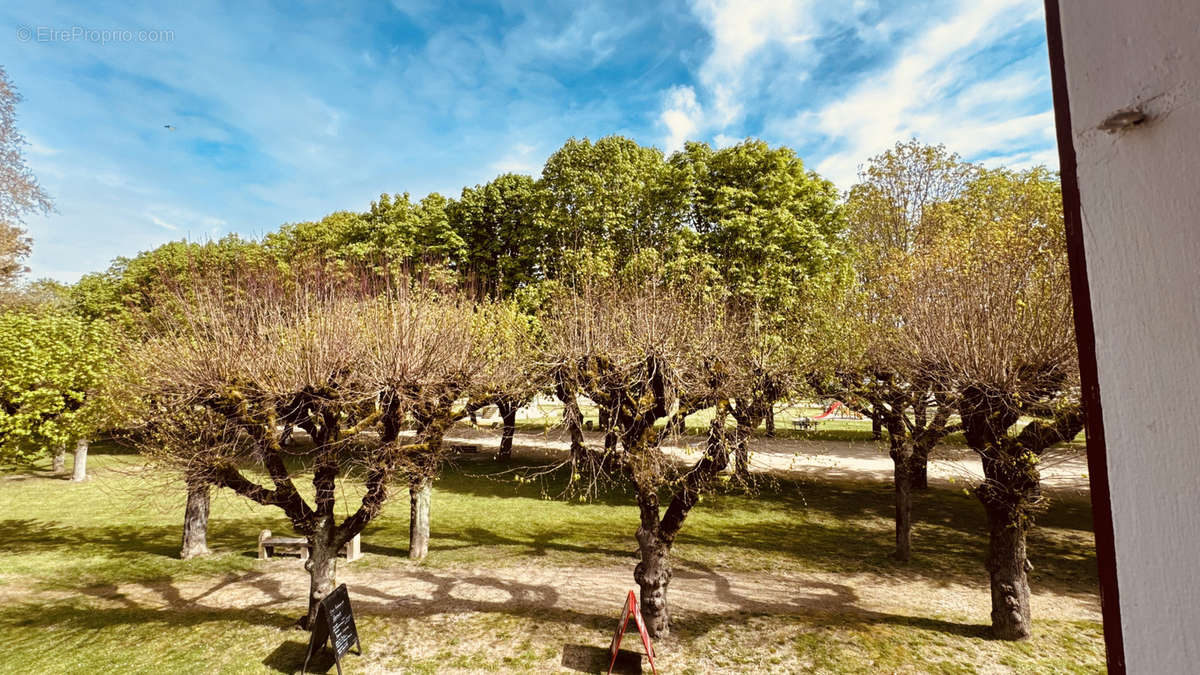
x=269, y=545
x=804, y=423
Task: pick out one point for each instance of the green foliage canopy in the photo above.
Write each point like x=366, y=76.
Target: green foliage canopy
x=51, y=365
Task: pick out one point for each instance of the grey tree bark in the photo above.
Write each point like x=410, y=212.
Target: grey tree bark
x=903, y=496
x=653, y=576
x=321, y=567
x=79, y=471
x=420, y=494
x=1011, y=612
x=195, y=521
x=59, y=463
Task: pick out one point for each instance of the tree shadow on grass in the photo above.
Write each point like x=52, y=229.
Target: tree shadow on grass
x=261, y=600
x=537, y=544
x=30, y=535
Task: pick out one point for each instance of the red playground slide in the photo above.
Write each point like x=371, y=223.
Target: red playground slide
x=829, y=411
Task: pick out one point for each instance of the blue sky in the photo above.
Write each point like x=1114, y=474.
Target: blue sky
x=284, y=112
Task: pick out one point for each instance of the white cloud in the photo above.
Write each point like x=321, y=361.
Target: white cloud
x=521, y=158
x=682, y=117
x=914, y=97
x=163, y=224
x=723, y=141
x=741, y=32
x=37, y=147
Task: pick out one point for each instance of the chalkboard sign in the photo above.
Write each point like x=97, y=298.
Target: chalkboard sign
x=335, y=625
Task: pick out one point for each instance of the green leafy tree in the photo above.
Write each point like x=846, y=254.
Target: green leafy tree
x=52, y=365
x=607, y=201
x=504, y=237
x=130, y=287
x=767, y=225
x=393, y=234
x=893, y=217
x=766, y=232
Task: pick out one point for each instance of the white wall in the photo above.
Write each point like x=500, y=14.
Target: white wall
x=1140, y=193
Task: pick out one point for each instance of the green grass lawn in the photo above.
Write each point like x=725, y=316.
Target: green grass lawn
x=68, y=546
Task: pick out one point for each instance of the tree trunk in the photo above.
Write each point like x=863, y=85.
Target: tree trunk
x=920, y=469
x=420, y=493
x=902, y=461
x=770, y=421
x=653, y=575
x=510, y=428
x=80, y=469
x=321, y=567
x=741, y=455
x=59, y=463
x=195, y=522
x=1011, y=614
x=876, y=428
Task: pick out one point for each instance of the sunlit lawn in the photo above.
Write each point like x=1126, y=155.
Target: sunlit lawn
x=68, y=545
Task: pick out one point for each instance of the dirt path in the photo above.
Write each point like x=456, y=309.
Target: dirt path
x=1063, y=471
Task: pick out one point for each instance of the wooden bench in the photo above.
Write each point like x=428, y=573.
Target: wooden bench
x=803, y=423
x=269, y=545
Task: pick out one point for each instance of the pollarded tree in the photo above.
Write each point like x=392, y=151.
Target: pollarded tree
x=892, y=213
x=511, y=377
x=332, y=357
x=637, y=350
x=987, y=312
x=51, y=367
x=187, y=436
x=772, y=351
x=864, y=364
x=482, y=359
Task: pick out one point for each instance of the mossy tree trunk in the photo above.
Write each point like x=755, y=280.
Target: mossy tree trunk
x=1010, y=494
x=655, y=535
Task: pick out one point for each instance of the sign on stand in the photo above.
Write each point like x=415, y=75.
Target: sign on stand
x=335, y=625
x=632, y=609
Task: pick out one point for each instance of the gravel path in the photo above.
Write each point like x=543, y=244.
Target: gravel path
x=1063, y=471
x=408, y=589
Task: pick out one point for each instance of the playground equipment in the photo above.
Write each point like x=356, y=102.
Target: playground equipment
x=845, y=414
x=831, y=412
